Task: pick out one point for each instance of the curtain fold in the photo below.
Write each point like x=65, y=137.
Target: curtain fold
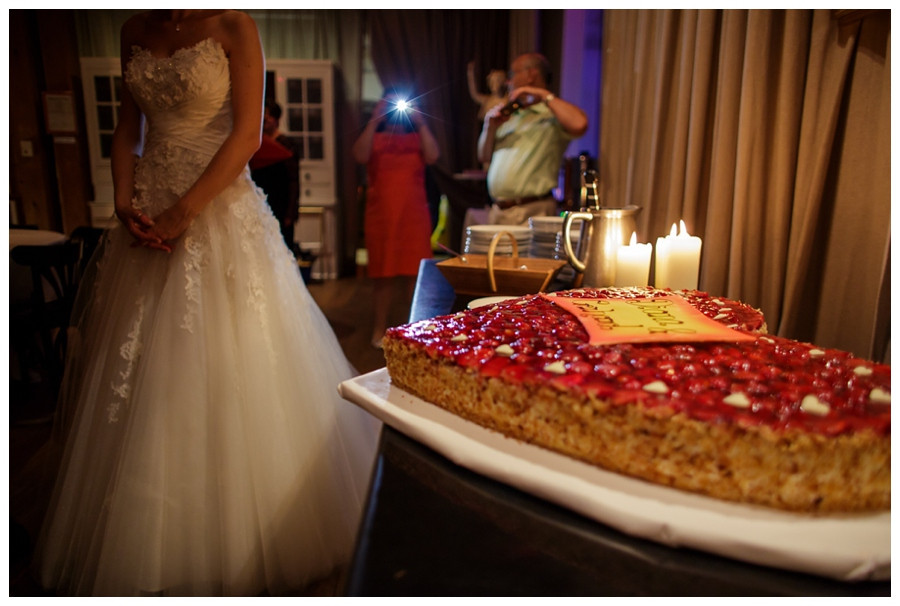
x=98, y=31
x=855, y=251
x=829, y=60
x=749, y=126
x=767, y=144
x=302, y=34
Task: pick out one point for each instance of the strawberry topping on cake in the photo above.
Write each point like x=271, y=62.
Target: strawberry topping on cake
x=765, y=381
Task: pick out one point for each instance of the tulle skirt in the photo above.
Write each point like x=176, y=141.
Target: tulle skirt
x=207, y=451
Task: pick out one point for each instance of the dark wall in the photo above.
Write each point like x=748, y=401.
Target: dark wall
x=550, y=35
x=51, y=187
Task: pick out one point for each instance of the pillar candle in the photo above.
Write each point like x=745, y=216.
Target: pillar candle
x=633, y=263
x=678, y=260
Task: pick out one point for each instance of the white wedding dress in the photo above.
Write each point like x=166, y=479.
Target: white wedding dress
x=207, y=449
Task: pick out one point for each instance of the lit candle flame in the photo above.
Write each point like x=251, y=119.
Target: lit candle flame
x=633, y=239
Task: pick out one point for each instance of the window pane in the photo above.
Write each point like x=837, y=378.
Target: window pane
x=117, y=81
x=105, y=118
x=314, y=120
x=102, y=89
x=314, y=91
x=295, y=120
x=294, y=90
x=316, y=148
x=296, y=144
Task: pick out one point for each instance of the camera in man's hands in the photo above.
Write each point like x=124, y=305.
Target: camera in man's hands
x=516, y=104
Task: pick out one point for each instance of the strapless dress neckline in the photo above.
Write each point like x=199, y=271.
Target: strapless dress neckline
x=208, y=41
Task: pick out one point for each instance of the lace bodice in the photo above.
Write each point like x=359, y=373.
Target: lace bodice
x=187, y=101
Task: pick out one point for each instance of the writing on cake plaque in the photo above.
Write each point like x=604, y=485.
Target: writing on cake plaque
x=666, y=318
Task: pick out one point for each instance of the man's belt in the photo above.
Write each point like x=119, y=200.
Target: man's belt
x=507, y=203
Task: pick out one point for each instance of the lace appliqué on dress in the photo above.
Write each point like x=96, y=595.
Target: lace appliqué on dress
x=180, y=167
x=187, y=101
x=167, y=81
x=196, y=260
x=253, y=230
x=130, y=351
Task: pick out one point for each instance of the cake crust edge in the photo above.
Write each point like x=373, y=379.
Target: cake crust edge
x=790, y=470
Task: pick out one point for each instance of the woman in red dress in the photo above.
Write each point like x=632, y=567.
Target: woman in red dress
x=396, y=145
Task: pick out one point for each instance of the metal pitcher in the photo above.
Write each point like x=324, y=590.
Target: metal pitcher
x=602, y=231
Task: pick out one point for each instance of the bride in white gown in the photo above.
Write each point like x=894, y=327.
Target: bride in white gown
x=207, y=449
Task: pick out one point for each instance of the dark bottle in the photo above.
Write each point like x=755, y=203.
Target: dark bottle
x=590, y=198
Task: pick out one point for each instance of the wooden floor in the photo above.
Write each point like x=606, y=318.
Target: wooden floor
x=345, y=303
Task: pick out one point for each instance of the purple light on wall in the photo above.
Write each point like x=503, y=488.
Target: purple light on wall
x=580, y=73
x=580, y=83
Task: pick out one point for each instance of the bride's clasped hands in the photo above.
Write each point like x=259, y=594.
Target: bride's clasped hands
x=158, y=233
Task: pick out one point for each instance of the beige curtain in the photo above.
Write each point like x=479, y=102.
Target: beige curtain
x=768, y=133
x=98, y=31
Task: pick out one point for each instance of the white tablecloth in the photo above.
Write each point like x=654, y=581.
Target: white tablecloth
x=31, y=237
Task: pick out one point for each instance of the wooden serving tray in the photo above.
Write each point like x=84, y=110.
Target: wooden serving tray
x=483, y=275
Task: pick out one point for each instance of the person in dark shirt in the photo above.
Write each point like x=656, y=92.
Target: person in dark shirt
x=275, y=168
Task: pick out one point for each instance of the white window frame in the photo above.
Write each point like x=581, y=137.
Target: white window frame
x=103, y=204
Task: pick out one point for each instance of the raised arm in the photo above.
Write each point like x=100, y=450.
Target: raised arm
x=362, y=147
x=240, y=39
x=572, y=119
x=492, y=120
x=430, y=150
x=476, y=95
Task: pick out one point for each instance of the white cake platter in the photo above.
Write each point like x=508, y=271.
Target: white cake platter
x=844, y=547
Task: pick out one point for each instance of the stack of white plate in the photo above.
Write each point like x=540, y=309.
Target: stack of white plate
x=478, y=239
x=544, y=233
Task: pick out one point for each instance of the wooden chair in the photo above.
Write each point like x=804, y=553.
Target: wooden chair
x=89, y=238
x=44, y=318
